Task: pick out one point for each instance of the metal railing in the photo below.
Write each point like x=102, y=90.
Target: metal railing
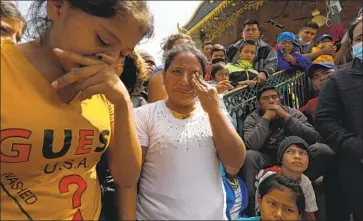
x=294, y=89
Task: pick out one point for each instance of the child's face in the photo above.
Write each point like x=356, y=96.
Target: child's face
x=295, y=159
x=286, y=46
x=248, y=53
x=319, y=77
x=222, y=75
x=326, y=44
x=326, y=41
x=279, y=204
x=307, y=34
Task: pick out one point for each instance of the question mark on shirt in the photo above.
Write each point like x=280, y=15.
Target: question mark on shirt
x=77, y=196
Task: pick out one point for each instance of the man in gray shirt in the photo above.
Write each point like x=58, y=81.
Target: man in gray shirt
x=267, y=127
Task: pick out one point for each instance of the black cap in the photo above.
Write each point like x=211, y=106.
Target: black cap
x=290, y=141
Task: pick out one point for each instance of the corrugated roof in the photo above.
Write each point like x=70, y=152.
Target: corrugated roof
x=205, y=8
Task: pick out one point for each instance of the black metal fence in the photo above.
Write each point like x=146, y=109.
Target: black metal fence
x=294, y=88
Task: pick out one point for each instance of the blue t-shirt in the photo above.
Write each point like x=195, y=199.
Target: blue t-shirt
x=231, y=197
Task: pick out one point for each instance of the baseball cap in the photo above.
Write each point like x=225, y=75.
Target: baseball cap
x=322, y=65
x=322, y=37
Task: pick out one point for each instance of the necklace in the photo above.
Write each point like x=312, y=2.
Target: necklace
x=234, y=182
x=181, y=116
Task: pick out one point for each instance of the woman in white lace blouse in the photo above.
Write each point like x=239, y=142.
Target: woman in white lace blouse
x=184, y=140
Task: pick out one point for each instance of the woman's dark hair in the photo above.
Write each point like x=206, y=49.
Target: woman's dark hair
x=351, y=29
x=247, y=42
x=280, y=182
x=134, y=73
x=218, y=47
x=8, y=9
x=185, y=48
x=168, y=42
x=215, y=68
x=40, y=23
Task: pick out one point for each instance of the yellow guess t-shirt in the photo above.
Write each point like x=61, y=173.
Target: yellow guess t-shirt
x=49, y=150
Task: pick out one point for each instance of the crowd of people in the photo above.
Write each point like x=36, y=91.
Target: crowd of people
x=94, y=129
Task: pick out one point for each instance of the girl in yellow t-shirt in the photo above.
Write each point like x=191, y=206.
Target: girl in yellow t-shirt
x=61, y=105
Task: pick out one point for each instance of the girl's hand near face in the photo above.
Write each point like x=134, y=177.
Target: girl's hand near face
x=223, y=86
x=95, y=76
x=207, y=94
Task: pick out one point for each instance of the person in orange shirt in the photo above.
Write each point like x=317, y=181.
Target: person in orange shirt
x=61, y=105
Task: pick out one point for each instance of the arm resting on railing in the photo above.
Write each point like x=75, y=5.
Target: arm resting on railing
x=282, y=64
x=302, y=63
x=270, y=63
x=255, y=132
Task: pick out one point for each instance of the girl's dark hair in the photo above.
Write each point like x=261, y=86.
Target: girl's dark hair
x=168, y=42
x=352, y=27
x=134, y=73
x=40, y=23
x=277, y=181
x=8, y=9
x=215, y=68
x=218, y=47
x=247, y=42
x=185, y=48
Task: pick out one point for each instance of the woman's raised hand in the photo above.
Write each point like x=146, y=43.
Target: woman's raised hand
x=207, y=94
